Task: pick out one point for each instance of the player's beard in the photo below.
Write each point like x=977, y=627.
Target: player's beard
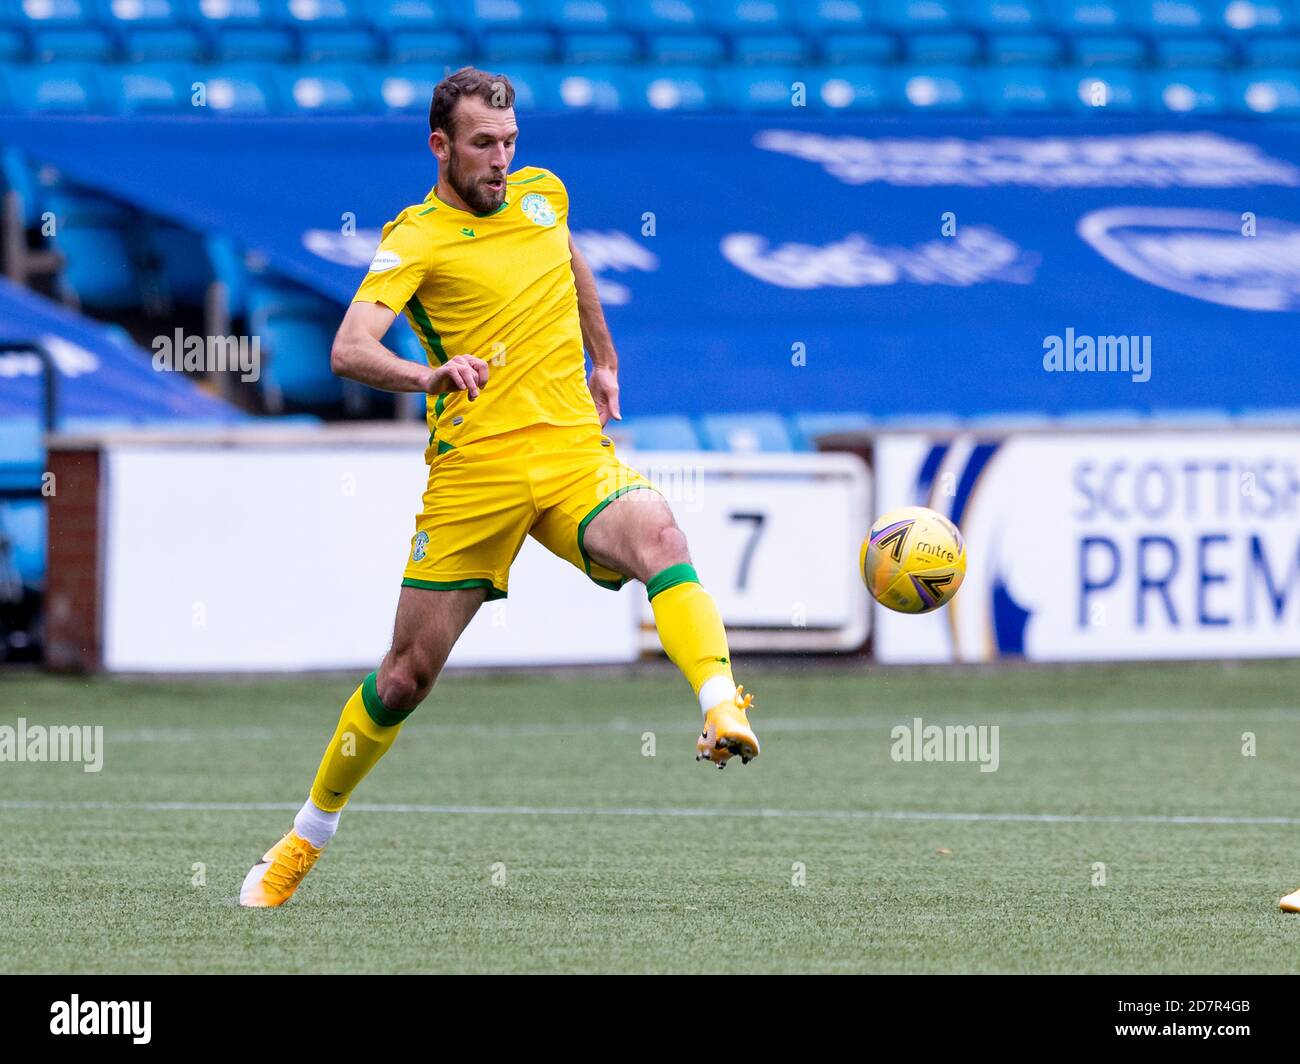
x=477, y=196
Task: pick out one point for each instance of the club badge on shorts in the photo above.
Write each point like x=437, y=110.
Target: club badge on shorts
x=417, y=546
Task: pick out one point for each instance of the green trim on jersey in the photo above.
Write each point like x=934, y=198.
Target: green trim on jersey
x=582, y=532
x=431, y=338
x=494, y=592
x=527, y=180
x=428, y=210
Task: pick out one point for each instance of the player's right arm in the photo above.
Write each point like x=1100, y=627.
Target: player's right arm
x=359, y=355
x=399, y=268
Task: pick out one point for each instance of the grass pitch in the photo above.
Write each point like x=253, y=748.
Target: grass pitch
x=518, y=825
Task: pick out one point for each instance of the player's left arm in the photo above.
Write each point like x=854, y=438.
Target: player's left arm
x=603, y=382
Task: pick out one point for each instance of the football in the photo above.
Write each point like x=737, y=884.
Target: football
x=913, y=560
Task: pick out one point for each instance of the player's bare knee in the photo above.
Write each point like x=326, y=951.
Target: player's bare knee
x=665, y=547
x=403, y=684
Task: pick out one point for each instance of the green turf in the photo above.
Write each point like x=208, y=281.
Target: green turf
x=110, y=889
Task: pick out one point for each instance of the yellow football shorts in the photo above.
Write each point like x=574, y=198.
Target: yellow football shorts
x=484, y=497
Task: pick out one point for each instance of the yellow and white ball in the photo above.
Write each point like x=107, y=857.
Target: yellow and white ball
x=913, y=560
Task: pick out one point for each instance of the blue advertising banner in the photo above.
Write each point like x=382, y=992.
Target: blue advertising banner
x=886, y=265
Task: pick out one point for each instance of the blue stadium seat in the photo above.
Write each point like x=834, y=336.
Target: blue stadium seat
x=22, y=176
x=579, y=16
x=593, y=89
x=354, y=45
x=935, y=88
x=67, y=88
x=1265, y=415
x=667, y=432
x=850, y=88
x=533, y=90
x=127, y=15
x=149, y=45
x=13, y=46
x=758, y=89
x=748, y=16
x=1252, y=16
x=402, y=87
x=1025, y=49
x=664, y=16
x=1103, y=90
x=1005, y=16
x=808, y=427
x=581, y=48
x=678, y=89
x=311, y=14
x=253, y=44
x=324, y=88
x=1188, y=91
x=23, y=524
x=1087, y=16
x=236, y=270
x=44, y=14
x=1169, y=17
x=745, y=433
x=145, y=87
x=223, y=13
x=915, y=16
x=179, y=262
x=959, y=49
x=402, y=339
x=1090, y=51
x=240, y=88
x=1271, y=51
x=297, y=330
x=1173, y=53
x=406, y=14
x=483, y=15
x=854, y=49
x=437, y=48
x=1024, y=89
x=22, y=454
x=1192, y=416
x=72, y=45
x=525, y=46
x=96, y=235
x=1266, y=92
x=824, y=17
x=691, y=49
x=758, y=49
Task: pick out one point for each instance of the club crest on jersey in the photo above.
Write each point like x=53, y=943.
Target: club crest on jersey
x=537, y=209
x=418, y=544
x=384, y=260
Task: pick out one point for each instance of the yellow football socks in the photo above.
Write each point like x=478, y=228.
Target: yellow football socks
x=691, y=631
x=366, y=730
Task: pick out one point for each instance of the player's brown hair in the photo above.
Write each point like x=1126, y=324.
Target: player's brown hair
x=494, y=89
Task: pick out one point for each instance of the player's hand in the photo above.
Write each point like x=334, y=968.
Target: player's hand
x=603, y=385
x=463, y=373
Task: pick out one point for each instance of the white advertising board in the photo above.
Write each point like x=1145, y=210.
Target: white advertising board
x=1105, y=546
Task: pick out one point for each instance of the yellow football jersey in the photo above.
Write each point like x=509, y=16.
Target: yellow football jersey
x=499, y=287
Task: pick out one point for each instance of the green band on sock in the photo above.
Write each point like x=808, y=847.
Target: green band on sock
x=375, y=708
x=671, y=577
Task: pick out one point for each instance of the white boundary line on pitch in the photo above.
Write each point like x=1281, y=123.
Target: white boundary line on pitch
x=624, y=726
x=668, y=811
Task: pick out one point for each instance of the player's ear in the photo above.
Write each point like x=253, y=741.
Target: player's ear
x=438, y=144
